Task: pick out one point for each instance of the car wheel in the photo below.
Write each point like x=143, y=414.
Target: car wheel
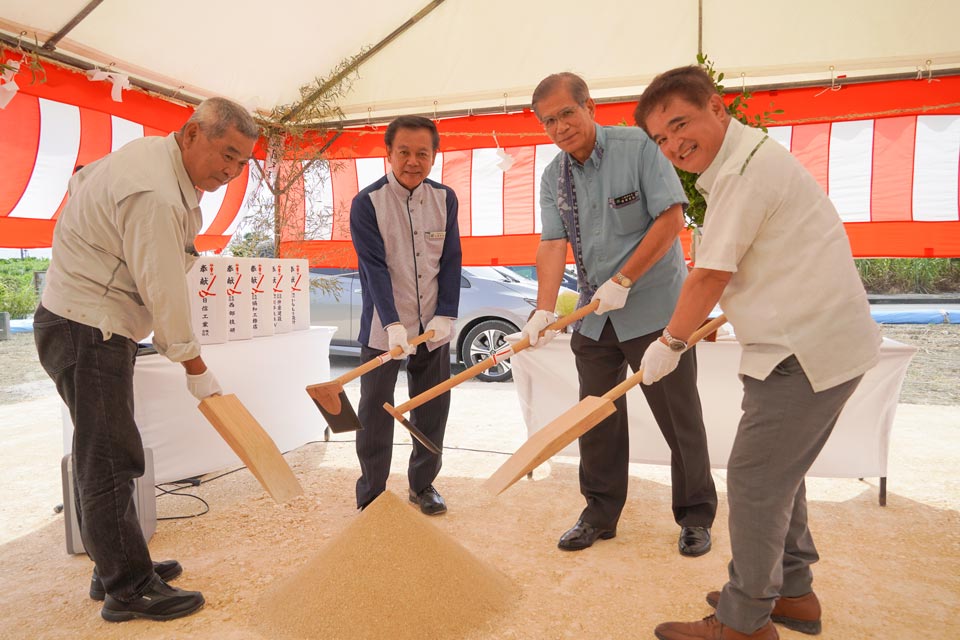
x=482, y=341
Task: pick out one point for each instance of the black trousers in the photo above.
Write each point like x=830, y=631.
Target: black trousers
x=425, y=369
x=605, y=449
x=95, y=379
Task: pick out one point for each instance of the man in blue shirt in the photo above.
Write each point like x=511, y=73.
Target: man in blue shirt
x=618, y=202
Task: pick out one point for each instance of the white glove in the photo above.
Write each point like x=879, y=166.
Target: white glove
x=611, y=295
x=658, y=361
x=203, y=385
x=537, y=323
x=397, y=337
x=441, y=327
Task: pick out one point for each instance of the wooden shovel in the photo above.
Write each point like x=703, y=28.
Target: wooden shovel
x=252, y=444
x=477, y=369
x=572, y=424
x=333, y=403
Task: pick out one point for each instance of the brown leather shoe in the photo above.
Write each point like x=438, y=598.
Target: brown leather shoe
x=800, y=614
x=711, y=629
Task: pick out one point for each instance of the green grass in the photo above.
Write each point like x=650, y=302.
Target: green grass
x=910, y=275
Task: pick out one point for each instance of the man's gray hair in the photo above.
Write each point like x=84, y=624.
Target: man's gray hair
x=216, y=116
x=573, y=83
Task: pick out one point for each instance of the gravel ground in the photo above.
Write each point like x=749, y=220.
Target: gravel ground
x=935, y=369
x=931, y=378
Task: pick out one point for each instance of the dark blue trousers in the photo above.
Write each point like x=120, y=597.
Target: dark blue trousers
x=425, y=369
x=605, y=449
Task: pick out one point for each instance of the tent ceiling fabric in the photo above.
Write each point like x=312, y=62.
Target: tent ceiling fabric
x=468, y=54
x=887, y=152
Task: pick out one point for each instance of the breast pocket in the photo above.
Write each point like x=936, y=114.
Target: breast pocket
x=434, y=242
x=629, y=217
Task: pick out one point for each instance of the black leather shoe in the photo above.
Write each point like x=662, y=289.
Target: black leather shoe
x=159, y=602
x=582, y=535
x=168, y=570
x=431, y=502
x=694, y=541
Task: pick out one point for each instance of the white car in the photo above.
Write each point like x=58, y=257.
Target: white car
x=494, y=302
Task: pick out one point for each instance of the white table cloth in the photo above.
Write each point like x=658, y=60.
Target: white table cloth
x=546, y=382
x=267, y=374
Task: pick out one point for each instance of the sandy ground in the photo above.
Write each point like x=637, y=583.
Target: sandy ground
x=886, y=572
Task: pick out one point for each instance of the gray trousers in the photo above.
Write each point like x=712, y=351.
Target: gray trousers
x=783, y=428
x=425, y=369
x=605, y=449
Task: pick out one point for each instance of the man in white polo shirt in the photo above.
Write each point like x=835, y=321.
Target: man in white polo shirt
x=774, y=254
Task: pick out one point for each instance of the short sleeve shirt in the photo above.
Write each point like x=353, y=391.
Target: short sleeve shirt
x=621, y=190
x=794, y=289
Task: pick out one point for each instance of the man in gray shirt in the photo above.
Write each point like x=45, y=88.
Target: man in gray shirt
x=121, y=250
x=404, y=228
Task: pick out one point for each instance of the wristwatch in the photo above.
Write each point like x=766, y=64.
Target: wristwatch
x=622, y=280
x=675, y=344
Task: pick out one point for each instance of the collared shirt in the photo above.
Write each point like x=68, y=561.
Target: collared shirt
x=408, y=250
x=619, y=196
x=120, y=247
x=794, y=289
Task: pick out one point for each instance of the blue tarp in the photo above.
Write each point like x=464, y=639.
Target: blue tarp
x=915, y=316
x=21, y=326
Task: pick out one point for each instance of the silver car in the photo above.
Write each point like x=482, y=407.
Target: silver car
x=494, y=302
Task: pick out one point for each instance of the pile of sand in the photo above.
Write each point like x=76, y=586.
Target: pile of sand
x=389, y=574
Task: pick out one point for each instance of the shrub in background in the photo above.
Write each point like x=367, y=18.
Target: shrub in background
x=17, y=298
x=17, y=295
x=566, y=303
x=910, y=275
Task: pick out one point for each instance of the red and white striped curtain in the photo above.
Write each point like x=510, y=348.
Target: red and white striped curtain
x=894, y=170
x=44, y=140
x=887, y=153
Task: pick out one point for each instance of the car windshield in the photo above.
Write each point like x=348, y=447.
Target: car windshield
x=493, y=273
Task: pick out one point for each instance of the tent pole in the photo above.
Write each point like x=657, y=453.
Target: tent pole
x=51, y=43
x=700, y=27
x=362, y=58
x=83, y=65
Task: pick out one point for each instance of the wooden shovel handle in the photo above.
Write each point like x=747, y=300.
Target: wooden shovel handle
x=372, y=364
x=482, y=366
x=637, y=378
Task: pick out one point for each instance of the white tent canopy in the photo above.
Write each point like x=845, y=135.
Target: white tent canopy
x=472, y=54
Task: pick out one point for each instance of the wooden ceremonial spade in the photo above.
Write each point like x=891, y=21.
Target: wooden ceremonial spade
x=333, y=403
x=252, y=445
x=571, y=425
x=475, y=370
